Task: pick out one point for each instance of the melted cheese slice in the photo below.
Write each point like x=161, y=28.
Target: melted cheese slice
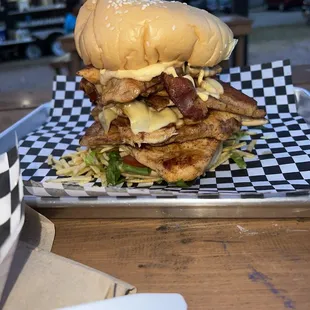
x=144, y=119
x=203, y=95
x=216, y=85
x=171, y=71
x=106, y=117
x=144, y=74
x=210, y=87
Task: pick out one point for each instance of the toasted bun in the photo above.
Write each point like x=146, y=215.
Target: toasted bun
x=132, y=34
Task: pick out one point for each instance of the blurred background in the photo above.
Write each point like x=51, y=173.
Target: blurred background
x=36, y=41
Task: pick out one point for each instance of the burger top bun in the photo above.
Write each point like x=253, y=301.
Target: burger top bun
x=132, y=34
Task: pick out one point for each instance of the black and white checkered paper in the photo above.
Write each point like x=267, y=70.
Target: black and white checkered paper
x=11, y=196
x=282, y=166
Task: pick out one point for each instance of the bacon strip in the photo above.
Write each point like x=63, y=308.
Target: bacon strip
x=183, y=94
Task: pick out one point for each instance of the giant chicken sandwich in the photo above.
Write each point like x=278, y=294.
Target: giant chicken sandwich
x=160, y=111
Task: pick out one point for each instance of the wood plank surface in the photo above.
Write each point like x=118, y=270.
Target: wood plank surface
x=20, y=100
x=301, y=76
x=9, y=117
x=214, y=264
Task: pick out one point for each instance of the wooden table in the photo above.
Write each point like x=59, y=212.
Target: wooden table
x=68, y=46
x=240, y=26
x=214, y=264
x=301, y=76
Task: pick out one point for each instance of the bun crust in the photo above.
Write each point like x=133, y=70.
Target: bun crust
x=132, y=34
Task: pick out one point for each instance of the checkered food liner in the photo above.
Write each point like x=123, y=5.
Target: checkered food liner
x=282, y=164
x=12, y=213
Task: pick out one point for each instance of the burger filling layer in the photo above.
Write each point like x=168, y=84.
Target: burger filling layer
x=161, y=95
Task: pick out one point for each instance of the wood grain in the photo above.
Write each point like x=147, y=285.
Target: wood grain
x=213, y=264
x=8, y=118
x=68, y=46
x=301, y=76
x=23, y=100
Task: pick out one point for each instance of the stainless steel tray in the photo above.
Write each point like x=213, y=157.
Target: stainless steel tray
x=70, y=207
x=297, y=204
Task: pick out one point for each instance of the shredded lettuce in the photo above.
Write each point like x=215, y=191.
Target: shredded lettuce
x=91, y=159
x=113, y=172
x=184, y=184
x=238, y=135
x=135, y=170
x=238, y=160
x=117, y=166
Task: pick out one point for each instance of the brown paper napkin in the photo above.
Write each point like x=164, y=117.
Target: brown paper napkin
x=38, y=231
x=49, y=281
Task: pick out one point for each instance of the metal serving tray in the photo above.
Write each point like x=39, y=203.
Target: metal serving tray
x=296, y=204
